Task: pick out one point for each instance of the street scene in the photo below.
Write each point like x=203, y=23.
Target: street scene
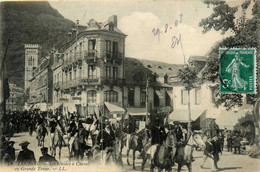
x=130, y=86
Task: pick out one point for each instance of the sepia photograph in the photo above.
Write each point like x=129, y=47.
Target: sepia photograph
x=129, y=85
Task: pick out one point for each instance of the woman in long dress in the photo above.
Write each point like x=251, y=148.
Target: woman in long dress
x=233, y=67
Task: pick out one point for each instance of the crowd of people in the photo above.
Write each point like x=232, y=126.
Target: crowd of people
x=101, y=131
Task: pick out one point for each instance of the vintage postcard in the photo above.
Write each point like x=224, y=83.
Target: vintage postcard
x=115, y=85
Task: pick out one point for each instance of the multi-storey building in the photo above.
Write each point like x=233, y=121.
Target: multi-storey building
x=41, y=85
x=91, y=69
x=32, y=57
x=12, y=103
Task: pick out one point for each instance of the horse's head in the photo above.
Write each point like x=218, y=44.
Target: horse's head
x=198, y=140
x=171, y=140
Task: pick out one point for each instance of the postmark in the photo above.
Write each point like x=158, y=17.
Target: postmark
x=238, y=70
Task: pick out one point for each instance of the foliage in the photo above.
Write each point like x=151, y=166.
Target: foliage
x=245, y=35
x=30, y=22
x=188, y=77
x=23, y=98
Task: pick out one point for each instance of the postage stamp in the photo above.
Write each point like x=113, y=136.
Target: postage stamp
x=237, y=70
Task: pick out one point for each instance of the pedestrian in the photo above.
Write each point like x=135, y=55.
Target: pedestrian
x=9, y=155
x=47, y=159
x=25, y=156
x=216, y=150
x=237, y=139
x=229, y=142
x=210, y=153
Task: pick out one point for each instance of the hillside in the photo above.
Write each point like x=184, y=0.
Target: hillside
x=30, y=22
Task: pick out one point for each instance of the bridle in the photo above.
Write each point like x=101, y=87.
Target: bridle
x=196, y=143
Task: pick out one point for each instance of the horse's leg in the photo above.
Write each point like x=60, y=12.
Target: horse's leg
x=134, y=159
x=60, y=146
x=189, y=167
x=179, y=167
x=127, y=155
x=144, y=160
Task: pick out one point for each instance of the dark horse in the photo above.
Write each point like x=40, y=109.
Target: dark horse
x=136, y=143
x=41, y=133
x=184, y=153
x=164, y=156
x=79, y=145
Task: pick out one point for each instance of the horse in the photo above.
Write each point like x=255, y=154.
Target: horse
x=41, y=133
x=59, y=140
x=164, y=156
x=184, y=152
x=79, y=144
x=136, y=143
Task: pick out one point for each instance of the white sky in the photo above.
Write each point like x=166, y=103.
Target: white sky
x=137, y=20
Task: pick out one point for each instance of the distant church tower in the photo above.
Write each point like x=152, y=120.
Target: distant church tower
x=32, y=57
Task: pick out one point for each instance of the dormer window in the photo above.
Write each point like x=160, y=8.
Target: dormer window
x=149, y=66
x=160, y=67
x=170, y=68
x=111, y=27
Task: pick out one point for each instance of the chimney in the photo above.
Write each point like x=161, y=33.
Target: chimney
x=113, y=19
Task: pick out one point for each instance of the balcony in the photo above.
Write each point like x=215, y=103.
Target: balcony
x=79, y=82
x=73, y=60
x=113, y=81
x=56, y=86
x=114, y=57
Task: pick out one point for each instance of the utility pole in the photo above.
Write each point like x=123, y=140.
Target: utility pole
x=146, y=100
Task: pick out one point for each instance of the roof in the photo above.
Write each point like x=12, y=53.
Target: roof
x=143, y=67
x=197, y=58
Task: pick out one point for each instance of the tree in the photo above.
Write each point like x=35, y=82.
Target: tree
x=188, y=78
x=246, y=34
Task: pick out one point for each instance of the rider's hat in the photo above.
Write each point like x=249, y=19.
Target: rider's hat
x=44, y=149
x=11, y=142
x=24, y=143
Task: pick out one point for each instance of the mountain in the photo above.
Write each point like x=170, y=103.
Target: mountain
x=30, y=22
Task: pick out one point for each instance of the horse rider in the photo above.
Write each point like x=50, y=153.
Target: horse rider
x=25, y=156
x=178, y=131
x=158, y=135
x=46, y=158
x=105, y=139
x=130, y=130
x=73, y=130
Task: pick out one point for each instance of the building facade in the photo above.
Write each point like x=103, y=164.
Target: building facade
x=12, y=103
x=32, y=57
x=88, y=70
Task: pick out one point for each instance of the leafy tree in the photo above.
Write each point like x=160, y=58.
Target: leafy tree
x=245, y=34
x=188, y=78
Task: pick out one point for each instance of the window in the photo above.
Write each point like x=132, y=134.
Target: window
x=108, y=72
x=166, y=78
x=30, y=61
x=184, y=97
x=115, y=72
x=111, y=96
x=91, y=47
x=70, y=77
x=115, y=49
x=92, y=73
x=197, y=96
x=108, y=49
x=143, y=97
x=75, y=73
x=111, y=27
x=131, y=97
x=92, y=96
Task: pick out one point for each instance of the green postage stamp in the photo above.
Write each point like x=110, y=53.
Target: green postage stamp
x=237, y=70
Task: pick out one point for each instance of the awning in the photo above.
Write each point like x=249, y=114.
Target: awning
x=114, y=108
x=137, y=111
x=159, y=94
x=169, y=92
x=182, y=115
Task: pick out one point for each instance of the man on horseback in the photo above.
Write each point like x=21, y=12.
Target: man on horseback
x=105, y=139
x=158, y=136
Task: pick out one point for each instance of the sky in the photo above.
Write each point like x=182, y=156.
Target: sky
x=166, y=31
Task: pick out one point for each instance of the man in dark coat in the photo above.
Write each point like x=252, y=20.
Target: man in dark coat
x=46, y=158
x=229, y=142
x=9, y=156
x=25, y=156
x=106, y=137
x=236, y=140
x=178, y=131
x=158, y=133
